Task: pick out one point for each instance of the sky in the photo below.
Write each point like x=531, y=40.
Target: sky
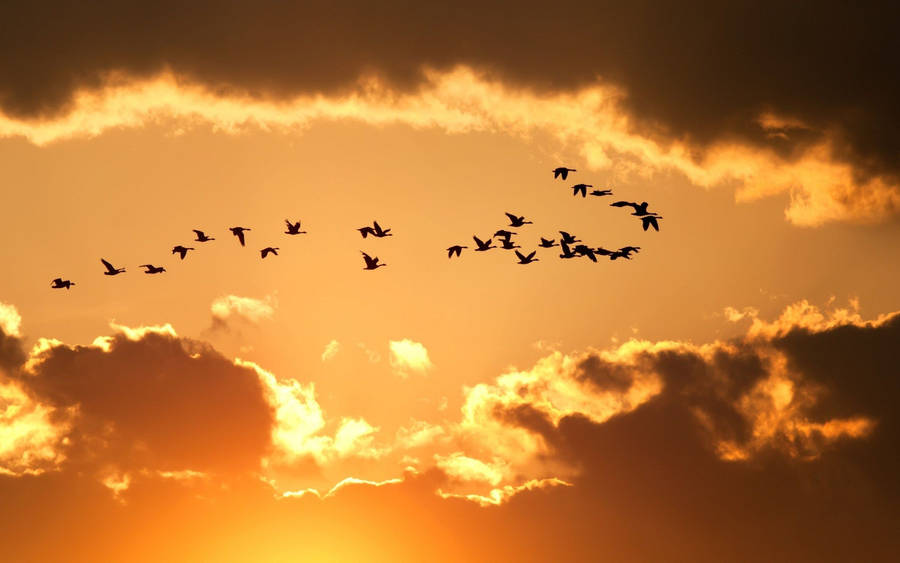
x=728, y=393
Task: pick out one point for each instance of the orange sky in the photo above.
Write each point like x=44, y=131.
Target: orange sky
x=728, y=392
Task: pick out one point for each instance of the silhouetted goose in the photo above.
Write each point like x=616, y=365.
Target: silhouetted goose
x=639, y=210
x=650, y=220
x=581, y=188
x=566, y=252
x=110, y=270
x=239, y=233
x=269, y=250
x=527, y=259
x=585, y=251
x=567, y=238
x=617, y=254
x=504, y=234
x=60, y=283
x=602, y=251
x=545, y=243
x=293, y=228
x=563, y=172
x=181, y=250
x=151, y=269
x=364, y=231
x=455, y=249
x=371, y=263
x=482, y=246
x=201, y=236
x=515, y=221
x=627, y=250
x=601, y=192
x=378, y=232
x=509, y=245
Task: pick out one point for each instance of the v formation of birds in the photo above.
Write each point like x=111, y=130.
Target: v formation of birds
x=567, y=242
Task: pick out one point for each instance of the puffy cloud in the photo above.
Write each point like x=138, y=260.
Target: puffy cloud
x=10, y=320
x=409, y=356
x=227, y=308
x=331, y=350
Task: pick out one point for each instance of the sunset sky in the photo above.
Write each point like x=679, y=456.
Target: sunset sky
x=728, y=394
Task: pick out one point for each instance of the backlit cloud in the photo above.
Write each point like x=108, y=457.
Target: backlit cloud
x=408, y=356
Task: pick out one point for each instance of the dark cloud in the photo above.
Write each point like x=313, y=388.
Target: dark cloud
x=697, y=70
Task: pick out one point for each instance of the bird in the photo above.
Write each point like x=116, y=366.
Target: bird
x=110, y=270
x=650, y=220
x=267, y=250
x=482, y=246
x=378, y=232
x=527, y=259
x=602, y=251
x=239, y=233
x=627, y=250
x=517, y=221
x=545, y=243
x=581, y=188
x=293, y=228
x=562, y=171
x=201, y=236
x=566, y=252
x=504, y=234
x=371, y=263
x=618, y=254
x=181, y=250
x=602, y=192
x=584, y=250
x=639, y=210
x=151, y=269
x=567, y=238
x=60, y=283
x=509, y=245
x=457, y=249
x=364, y=231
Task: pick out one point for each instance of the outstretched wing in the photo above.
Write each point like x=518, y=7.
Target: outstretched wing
x=478, y=241
x=623, y=204
x=199, y=233
x=512, y=218
x=110, y=268
x=521, y=256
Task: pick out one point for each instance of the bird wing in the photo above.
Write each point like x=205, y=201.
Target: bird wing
x=240, y=236
x=530, y=256
x=623, y=204
x=478, y=241
x=57, y=280
x=521, y=256
x=199, y=233
x=512, y=218
x=565, y=173
x=110, y=268
x=377, y=226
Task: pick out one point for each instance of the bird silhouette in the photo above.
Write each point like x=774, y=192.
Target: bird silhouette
x=455, y=249
x=545, y=243
x=639, y=210
x=627, y=250
x=269, y=250
x=581, y=188
x=617, y=254
x=650, y=220
x=602, y=251
x=509, y=245
x=371, y=263
x=567, y=253
x=584, y=250
x=504, y=234
x=378, y=232
x=601, y=192
x=562, y=171
x=151, y=269
x=482, y=246
x=181, y=250
x=365, y=231
x=527, y=259
x=515, y=221
x=239, y=233
x=293, y=228
x=201, y=236
x=110, y=270
x=60, y=283
x=567, y=238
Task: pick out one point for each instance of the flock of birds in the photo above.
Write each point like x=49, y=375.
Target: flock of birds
x=567, y=242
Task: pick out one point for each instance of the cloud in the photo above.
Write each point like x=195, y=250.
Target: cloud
x=409, y=356
x=228, y=308
x=10, y=320
x=331, y=350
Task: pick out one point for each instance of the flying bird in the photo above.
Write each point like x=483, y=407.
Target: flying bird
x=650, y=220
x=201, y=236
x=504, y=234
x=602, y=192
x=527, y=259
x=585, y=251
x=293, y=228
x=567, y=238
x=151, y=269
x=455, y=249
x=371, y=263
x=269, y=250
x=562, y=171
x=566, y=252
x=627, y=250
x=110, y=270
x=60, y=283
x=581, y=188
x=602, y=251
x=545, y=243
x=239, y=233
x=181, y=250
x=515, y=221
x=379, y=232
x=639, y=210
x=365, y=231
x=482, y=246
x=509, y=245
